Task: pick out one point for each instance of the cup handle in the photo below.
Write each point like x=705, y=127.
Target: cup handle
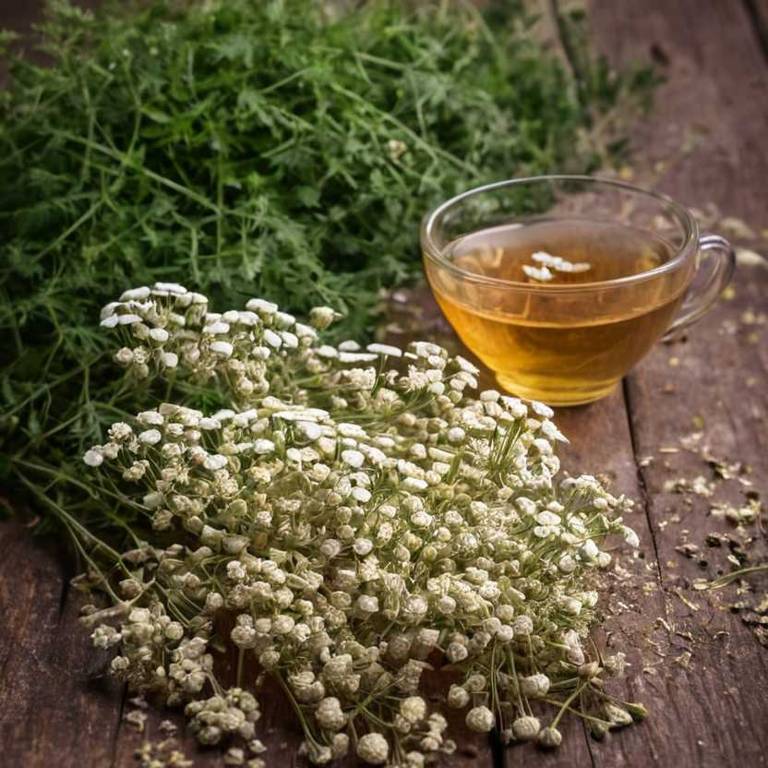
x=720, y=274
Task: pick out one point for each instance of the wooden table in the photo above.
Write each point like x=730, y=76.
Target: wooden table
x=697, y=663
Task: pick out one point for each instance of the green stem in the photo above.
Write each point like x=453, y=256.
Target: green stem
x=728, y=578
x=240, y=659
x=70, y=521
x=566, y=704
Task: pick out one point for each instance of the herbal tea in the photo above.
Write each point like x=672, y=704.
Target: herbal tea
x=564, y=346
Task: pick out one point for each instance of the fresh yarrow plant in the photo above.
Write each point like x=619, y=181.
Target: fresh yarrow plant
x=347, y=519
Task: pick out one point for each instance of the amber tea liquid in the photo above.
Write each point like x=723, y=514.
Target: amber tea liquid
x=567, y=346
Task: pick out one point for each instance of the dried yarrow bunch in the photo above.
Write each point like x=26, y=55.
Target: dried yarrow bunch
x=350, y=518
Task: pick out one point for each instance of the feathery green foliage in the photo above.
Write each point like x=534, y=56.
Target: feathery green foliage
x=282, y=148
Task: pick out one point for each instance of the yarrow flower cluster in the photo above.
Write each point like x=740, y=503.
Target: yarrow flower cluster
x=351, y=518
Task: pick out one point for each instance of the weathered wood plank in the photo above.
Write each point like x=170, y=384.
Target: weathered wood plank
x=20, y=17
x=721, y=692
x=600, y=441
x=705, y=143
x=758, y=13
x=715, y=105
x=55, y=706
x=710, y=120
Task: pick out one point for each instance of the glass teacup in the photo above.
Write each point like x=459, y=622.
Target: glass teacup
x=560, y=284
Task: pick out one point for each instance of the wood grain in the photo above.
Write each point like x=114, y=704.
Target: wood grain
x=710, y=120
x=600, y=440
x=704, y=144
x=55, y=703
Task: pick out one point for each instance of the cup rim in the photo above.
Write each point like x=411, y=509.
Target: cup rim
x=683, y=215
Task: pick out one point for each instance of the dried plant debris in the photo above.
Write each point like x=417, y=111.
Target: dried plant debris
x=744, y=514
x=168, y=727
x=748, y=258
x=736, y=228
x=137, y=719
x=751, y=606
x=728, y=497
x=692, y=551
x=164, y=754
x=698, y=485
x=728, y=491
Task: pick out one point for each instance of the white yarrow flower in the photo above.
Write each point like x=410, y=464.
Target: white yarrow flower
x=150, y=437
x=215, y=462
x=128, y=319
x=353, y=458
x=385, y=349
x=223, y=348
x=93, y=457
x=329, y=493
x=526, y=728
x=480, y=719
x=534, y=686
x=261, y=306
x=174, y=288
x=136, y=294
x=272, y=339
x=630, y=536
x=373, y=748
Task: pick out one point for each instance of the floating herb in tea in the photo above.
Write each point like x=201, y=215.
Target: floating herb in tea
x=560, y=347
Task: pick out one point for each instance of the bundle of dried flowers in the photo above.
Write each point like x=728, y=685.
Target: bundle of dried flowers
x=346, y=524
